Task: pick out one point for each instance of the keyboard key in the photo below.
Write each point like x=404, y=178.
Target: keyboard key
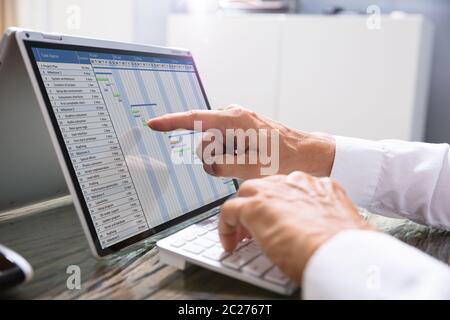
x=205, y=243
x=248, y=247
x=213, y=236
x=188, y=235
x=192, y=248
x=211, y=226
x=216, y=254
x=248, y=251
x=178, y=243
x=258, y=266
x=238, y=259
x=254, y=244
x=200, y=232
x=234, y=261
x=208, y=221
x=243, y=243
x=275, y=275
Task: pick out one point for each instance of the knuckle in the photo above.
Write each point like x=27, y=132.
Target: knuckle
x=192, y=114
x=297, y=177
x=330, y=183
x=253, y=207
x=325, y=183
x=336, y=185
x=258, y=202
x=236, y=206
x=244, y=187
x=257, y=208
x=326, y=180
x=248, y=206
x=297, y=174
x=250, y=112
x=248, y=185
x=235, y=110
x=227, y=207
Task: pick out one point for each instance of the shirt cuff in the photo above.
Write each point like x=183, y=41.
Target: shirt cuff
x=357, y=166
x=357, y=264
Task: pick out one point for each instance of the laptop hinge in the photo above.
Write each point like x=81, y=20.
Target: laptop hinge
x=52, y=36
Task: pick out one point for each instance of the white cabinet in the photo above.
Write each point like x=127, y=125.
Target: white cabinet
x=238, y=62
x=316, y=73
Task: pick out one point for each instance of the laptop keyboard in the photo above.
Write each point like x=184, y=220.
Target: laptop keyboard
x=200, y=244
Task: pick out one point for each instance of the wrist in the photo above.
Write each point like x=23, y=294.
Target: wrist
x=315, y=241
x=317, y=152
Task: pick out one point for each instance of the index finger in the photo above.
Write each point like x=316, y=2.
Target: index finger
x=230, y=221
x=185, y=120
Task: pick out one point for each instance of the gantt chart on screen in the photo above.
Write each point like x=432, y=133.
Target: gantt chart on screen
x=102, y=103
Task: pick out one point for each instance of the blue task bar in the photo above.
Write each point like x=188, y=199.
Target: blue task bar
x=143, y=105
x=84, y=57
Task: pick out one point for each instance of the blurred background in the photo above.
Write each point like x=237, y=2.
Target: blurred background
x=373, y=69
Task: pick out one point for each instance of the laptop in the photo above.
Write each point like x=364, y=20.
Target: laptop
x=95, y=97
x=23, y=133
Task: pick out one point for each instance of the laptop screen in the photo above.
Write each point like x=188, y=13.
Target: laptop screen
x=133, y=181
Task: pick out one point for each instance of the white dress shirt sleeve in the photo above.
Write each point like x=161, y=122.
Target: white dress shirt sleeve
x=395, y=179
x=372, y=265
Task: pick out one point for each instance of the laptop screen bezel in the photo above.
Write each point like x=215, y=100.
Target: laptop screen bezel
x=29, y=44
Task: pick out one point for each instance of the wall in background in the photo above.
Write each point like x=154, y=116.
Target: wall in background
x=122, y=20
x=107, y=19
x=438, y=11
x=145, y=21
x=151, y=21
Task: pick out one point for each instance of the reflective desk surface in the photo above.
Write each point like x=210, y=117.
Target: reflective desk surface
x=50, y=237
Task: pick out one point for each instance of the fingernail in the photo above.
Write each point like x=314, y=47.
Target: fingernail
x=151, y=123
